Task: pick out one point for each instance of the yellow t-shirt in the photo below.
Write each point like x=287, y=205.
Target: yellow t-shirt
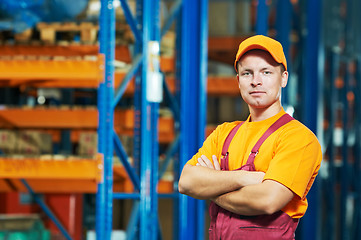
x=291, y=155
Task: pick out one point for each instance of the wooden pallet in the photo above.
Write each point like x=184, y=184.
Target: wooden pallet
x=8, y=36
x=24, y=36
x=88, y=31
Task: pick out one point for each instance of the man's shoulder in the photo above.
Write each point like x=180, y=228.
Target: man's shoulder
x=228, y=126
x=225, y=128
x=298, y=129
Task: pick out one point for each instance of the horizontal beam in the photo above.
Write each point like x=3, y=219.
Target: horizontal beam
x=35, y=168
x=60, y=69
x=53, y=120
x=50, y=185
x=216, y=86
x=13, y=170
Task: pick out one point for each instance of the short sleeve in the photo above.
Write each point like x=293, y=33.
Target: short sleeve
x=297, y=159
x=213, y=143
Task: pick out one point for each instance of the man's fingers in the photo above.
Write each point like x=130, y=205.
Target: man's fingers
x=215, y=162
x=201, y=162
x=207, y=162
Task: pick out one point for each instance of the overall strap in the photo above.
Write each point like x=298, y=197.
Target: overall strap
x=227, y=142
x=229, y=138
x=276, y=125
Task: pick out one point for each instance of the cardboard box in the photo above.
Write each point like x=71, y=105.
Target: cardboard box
x=34, y=142
x=8, y=141
x=88, y=144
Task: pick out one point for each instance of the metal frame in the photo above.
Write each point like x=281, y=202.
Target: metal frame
x=188, y=107
x=343, y=169
x=46, y=210
x=144, y=172
x=104, y=198
x=283, y=29
x=310, y=113
x=262, y=18
x=193, y=45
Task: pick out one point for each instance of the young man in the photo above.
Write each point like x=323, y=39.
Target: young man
x=256, y=173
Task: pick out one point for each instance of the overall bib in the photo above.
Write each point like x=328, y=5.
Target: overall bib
x=226, y=225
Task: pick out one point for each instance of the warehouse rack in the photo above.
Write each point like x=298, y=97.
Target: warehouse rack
x=341, y=192
x=88, y=73
x=50, y=174
x=186, y=94
x=146, y=161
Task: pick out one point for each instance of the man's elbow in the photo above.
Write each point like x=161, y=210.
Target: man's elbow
x=270, y=209
x=272, y=205
x=275, y=198
x=185, y=183
x=183, y=186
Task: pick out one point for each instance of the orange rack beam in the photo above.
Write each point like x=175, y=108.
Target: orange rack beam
x=75, y=73
x=48, y=118
x=51, y=175
x=45, y=169
x=52, y=118
x=63, y=176
x=50, y=50
x=224, y=48
x=122, y=183
x=28, y=52
x=223, y=85
x=216, y=86
x=67, y=73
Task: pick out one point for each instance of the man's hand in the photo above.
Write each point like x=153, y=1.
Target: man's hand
x=250, y=178
x=205, y=162
x=206, y=181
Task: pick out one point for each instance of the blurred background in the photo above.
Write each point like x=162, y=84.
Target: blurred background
x=103, y=101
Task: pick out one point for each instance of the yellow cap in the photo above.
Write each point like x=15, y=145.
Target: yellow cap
x=264, y=43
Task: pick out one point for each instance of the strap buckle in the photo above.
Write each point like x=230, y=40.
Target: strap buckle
x=225, y=154
x=255, y=153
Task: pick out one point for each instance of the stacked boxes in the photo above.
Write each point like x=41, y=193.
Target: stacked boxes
x=27, y=142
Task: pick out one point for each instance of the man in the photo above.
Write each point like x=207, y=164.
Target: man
x=257, y=173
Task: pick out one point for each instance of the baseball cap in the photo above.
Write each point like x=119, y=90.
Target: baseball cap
x=264, y=43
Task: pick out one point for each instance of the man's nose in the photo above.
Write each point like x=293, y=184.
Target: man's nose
x=256, y=80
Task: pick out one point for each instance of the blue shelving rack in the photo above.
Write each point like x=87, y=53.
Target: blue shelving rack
x=188, y=107
x=340, y=186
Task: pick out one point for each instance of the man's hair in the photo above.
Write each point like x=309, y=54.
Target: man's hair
x=282, y=68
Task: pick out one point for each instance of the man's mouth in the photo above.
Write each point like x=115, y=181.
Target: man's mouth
x=257, y=92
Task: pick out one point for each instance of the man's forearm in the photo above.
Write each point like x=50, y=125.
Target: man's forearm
x=265, y=198
x=242, y=202
x=205, y=183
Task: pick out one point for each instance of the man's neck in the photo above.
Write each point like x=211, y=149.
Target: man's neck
x=260, y=114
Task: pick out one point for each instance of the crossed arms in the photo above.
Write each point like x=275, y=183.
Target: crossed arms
x=239, y=191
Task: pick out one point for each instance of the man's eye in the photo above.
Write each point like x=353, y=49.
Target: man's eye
x=267, y=72
x=245, y=74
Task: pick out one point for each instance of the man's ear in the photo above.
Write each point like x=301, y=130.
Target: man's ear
x=284, y=79
x=238, y=80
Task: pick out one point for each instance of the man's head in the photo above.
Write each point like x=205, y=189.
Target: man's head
x=261, y=73
x=262, y=43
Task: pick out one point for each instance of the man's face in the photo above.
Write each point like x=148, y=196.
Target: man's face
x=260, y=79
